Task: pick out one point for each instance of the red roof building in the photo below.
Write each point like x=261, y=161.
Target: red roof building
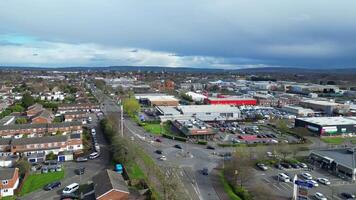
x=236, y=101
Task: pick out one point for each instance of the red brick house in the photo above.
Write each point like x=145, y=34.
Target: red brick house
x=110, y=185
x=43, y=117
x=34, y=110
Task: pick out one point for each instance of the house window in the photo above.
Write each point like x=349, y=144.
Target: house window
x=5, y=190
x=5, y=182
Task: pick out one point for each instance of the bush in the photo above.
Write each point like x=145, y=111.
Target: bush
x=242, y=193
x=202, y=142
x=175, y=137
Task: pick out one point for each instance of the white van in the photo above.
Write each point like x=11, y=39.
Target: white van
x=71, y=188
x=283, y=177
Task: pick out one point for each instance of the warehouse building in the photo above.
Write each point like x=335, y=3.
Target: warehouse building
x=339, y=161
x=329, y=126
x=326, y=107
x=298, y=111
x=194, y=128
x=157, y=99
x=236, y=101
x=196, y=96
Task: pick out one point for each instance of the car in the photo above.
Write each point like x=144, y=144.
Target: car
x=346, y=195
x=262, y=166
x=52, y=186
x=58, y=168
x=44, y=170
x=71, y=188
x=295, y=165
x=178, y=146
x=286, y=165
x=158, y=151
x=303, y=165
x=94, y=155
x=313, y=182
x=81, y=159
x=320, y=196
x=279, y=166
x=80, y=171
x=324, y=181
x=283, y=177
x=205, y=171
x=306, y=176
x=210, y=147
x=158, y=140
x=163, y=158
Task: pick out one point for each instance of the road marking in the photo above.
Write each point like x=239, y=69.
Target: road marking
x=276, y=187
x=265, y=179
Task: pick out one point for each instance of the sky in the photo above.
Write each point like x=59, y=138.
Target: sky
x=227, y=34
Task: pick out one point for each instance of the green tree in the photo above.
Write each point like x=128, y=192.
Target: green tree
x=17, y=108
x=27, y=100
x=131, y=106
x=24, y=167
x=21, y=120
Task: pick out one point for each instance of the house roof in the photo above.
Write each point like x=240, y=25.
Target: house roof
x=45, y=114
x=39, y=140
x=35, y=106
x=76, y=113
x=108, y=180
x=7, y=173
x=5, y=141
x=340, y=156
x=32, y=126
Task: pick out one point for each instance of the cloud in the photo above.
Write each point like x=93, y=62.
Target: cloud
x=212, y=33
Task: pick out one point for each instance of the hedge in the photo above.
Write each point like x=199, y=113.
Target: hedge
x=175, y=137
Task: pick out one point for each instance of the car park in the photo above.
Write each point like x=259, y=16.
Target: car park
x=262, y=166
x=163, y=158
x=313, y=182
x=71, y=188
x=80, y=171
x=324, y=181
x=286, y=165
x=319, y=196
x=303, y=165
x=81, y=159
x=52, y=186
x=279, y=166
x=295, y=165
x=94, y=155
x=346, y=195
x=306, y=176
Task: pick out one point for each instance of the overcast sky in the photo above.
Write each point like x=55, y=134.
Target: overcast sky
x=176, y=33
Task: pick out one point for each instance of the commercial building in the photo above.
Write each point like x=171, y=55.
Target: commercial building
x=339, y=161
x=194, y=128
x=236, y=101
x=329, y=126
x=196, y=97
x=298, y=111
x=110, y=185
x=9, y=181
x=327, y=107
x=157, y=99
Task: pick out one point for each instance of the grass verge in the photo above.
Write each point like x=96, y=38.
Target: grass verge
x=37, y=181
x=227, y=188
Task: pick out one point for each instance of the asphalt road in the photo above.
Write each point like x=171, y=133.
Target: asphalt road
x=185, y=164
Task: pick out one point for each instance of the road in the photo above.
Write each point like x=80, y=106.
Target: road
x=186, y=163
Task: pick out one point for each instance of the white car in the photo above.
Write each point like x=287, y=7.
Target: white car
x=307, y=176
x=320, y=196
x=283, y=177
x=303, y=165
x=163, y=158
x=71, y=188
x=315, y=184
x=324, y=181
x=94, y=155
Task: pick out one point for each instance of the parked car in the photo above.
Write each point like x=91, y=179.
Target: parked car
x=279, y=166
x=158, y=140
x=307, y=176
x=178, y=146
x=314, y=183
x=320, y=196
x=286, y=165
x=58, y=168
x=158, y=151
x=262, y=166
x=303, y=165
x=80, y=171
x=52, y=186
x=295, y=165
x=283, y=177
x=346, y=195
x=81, y=159
x=163, y=158
x=324, y=181
x=71, y=188
x=44, y=170
x=210, y=147
x=205, y=171
x=94, y=155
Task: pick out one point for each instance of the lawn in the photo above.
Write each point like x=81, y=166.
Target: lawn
x=227, y=188
x=153, y=128
x=333, y=140
x=37, y=181
x=135, y=171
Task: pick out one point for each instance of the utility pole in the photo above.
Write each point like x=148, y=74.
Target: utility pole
x=122, y=120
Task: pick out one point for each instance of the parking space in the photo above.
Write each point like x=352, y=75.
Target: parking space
x=332, y=191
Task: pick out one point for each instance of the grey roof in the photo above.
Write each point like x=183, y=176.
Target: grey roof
x=7, y=173
x=340, y=156
x=35, y=106
x=44, y=113
x=5, y=141
x=75, y=113
x=108, y=180
x=39, y=140
x=31, y=126
x=75, y=136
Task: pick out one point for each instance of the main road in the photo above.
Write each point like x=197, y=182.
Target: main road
x=185, y=164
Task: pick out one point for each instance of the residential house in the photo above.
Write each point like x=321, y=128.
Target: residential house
x=43, y=117
x=34, y=110
x=110, y=185
x=9, y=181
x=77, y=115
